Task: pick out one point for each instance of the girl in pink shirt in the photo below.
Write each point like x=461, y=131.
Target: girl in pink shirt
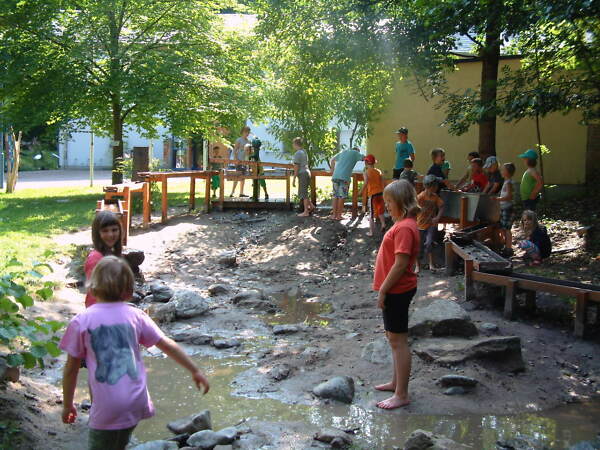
x=106, y=237
x=396, y=283
x=107, y=335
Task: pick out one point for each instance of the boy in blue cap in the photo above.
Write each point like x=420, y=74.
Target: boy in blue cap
x=404, y=149
x=531, y=183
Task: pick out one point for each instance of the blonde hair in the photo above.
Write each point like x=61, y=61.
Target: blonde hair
x=531, y=215
x=298, y=141
x=112, y=280
x=245, y=129
x=403, y=194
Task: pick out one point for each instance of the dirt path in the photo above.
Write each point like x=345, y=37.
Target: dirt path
x=318, y=275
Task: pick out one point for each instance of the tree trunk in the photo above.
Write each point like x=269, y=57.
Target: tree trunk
x=117, y=128
x=13, y=166
x=490, y=58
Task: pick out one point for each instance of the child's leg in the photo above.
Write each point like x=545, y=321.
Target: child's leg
x=242, y=181
x=233, y=189
x=382, y=222
x=109, y=439
x=402, y=367
x=429, y=236
x=531, y=250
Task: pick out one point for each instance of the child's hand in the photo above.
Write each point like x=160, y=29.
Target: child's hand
x=69, y=414
x=381, y=300
x=201, y=381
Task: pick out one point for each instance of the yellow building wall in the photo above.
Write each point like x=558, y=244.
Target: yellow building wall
x=562, y=134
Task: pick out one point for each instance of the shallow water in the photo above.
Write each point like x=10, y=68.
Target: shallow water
x=299, y=310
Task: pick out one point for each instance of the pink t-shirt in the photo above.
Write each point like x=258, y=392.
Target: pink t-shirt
x=89, y=265
x=108, y=337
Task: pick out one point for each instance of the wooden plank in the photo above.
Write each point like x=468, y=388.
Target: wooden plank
x=164, y=200
x=510, y=299
x=469, y=288
x=207, y=199
x=221, y=188
x=450, y=258
x=146, y=205
x=530, y=304
x=287, y=189
x=354, y=197
x=250, y=163
x=313, y=188
x=491, y=278
x=192, y=193
x=580, y=313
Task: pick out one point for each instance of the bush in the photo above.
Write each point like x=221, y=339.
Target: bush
x=28, y=340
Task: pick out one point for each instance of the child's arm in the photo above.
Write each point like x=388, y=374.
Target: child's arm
x=365, y=181
x=397, y=270
x=69, y=382
x=538, y=185
x=509, y=195
x=174, y=351
x=440, y=213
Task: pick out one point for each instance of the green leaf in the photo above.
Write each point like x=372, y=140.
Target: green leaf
x=15, y=359
x=29, y=361
x=53, y=349
x=25, y=300
x=39, y=350
x=45, y=293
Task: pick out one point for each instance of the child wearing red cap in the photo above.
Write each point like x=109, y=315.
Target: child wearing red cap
x=374, y=186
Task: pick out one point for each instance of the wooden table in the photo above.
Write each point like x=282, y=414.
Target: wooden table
x=124, y=191
x=163, y=177
x=356, y=177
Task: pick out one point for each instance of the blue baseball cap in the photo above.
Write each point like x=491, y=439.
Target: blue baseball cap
x=529, y=154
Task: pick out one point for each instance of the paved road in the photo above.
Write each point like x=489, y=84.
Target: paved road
x=60, y=178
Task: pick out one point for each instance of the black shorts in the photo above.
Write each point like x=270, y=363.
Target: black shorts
x=395, y=313
x=396, y=173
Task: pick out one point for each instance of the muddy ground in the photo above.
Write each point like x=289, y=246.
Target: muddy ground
x=318, y=274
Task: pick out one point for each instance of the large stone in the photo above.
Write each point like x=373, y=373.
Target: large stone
x=285, y=329
x=441, y=318
x=134, y=257
x=457, y=380
x=208, y=439
x=227, y=259
x=337, y=438
x=157, y=445
x=338, y=388
x=587, y=445
x=217, y=289
x=280, y=372
x=226, y=343
x=163, y=312
x=191, y=424
x=378, y=352
x=192, y=336
x=253, y=298
x=425, y=440
x=189, y=304
x=520, y=443
x=161, y=292
x=504, y=352
x=455, y=390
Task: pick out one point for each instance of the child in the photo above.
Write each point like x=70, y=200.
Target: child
x=408, y=173
x=342, y=165
x=241, y=151
x=302, y=172
x=467, y=176
x=432, y=208
x=531, y=183
x=507, y=214
x=396, y=283
x=537, y=244
x=404, y=150
x=106, y=237
x=374, y=185
x=495, y=180
x=108, y=335
x=438, y=156
x=478, y=179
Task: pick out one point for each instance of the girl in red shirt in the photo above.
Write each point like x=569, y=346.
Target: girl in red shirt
x=106, y=237
x=396, y=282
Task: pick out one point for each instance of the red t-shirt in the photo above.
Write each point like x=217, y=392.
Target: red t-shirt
x=479, y=180
x=403, y=237
x=89, y=265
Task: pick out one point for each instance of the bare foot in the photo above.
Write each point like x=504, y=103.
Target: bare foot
x=386, y=387
x=304, y=215
x=393, y=402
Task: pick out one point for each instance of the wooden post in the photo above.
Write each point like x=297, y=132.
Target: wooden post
x=125, y=215
x=464, y=212
x=287, y=188
x=207, y=186
x=469, y=294
x=354, y=196
x=313, y=189
x=192, y=192
x=164, y=200
x=510, y=299
x=530, y=301
x=221, y=189
x=127, y=205
x=147, y=205
x=450, y=258
x=580, y=313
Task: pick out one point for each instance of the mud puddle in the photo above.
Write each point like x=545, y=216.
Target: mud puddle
x=299, y=310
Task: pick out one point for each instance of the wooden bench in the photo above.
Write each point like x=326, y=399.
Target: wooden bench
x=124, y=192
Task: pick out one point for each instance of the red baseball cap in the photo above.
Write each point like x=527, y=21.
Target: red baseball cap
x=370, y=159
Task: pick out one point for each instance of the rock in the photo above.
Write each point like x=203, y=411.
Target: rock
x=136, y=298
x=227, y=259
x=334, y=436
x=441, y=318
x=338, y=388
x=217, y=289
x=285, y=329
x=191, y=424
x=226, y=343
x=148, y=299
x=224, y=447
x=520, y=443
x=425, y=440
x=378, y=352
x=134, y=257
x=489, y=327
x=180, y=439
x=253, y=298
x=504, y=351
x=85, y=405
x=156, y=445
x=209, y=439
x=166, y=312
x=192, y=336
x=280, y=372
x=189, y=304
x=161, y=292
x=457, y=380
x=587, y=445
x=455, y=390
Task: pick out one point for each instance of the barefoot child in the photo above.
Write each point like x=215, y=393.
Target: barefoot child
x=537, y=244
x=396, y=283
x=432, y=208
x=342, y=166
x=106, y=237
x=531, y=183
x=374, y=185
x=302, y=172
x=108, y=336
x=507, y=214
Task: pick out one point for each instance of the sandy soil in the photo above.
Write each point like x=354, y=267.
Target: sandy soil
x=328, y=264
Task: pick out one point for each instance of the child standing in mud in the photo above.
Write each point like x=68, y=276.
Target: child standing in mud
x=396, y=283
x=108, y=336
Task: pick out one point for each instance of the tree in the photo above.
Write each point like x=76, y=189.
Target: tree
x=140, y=63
